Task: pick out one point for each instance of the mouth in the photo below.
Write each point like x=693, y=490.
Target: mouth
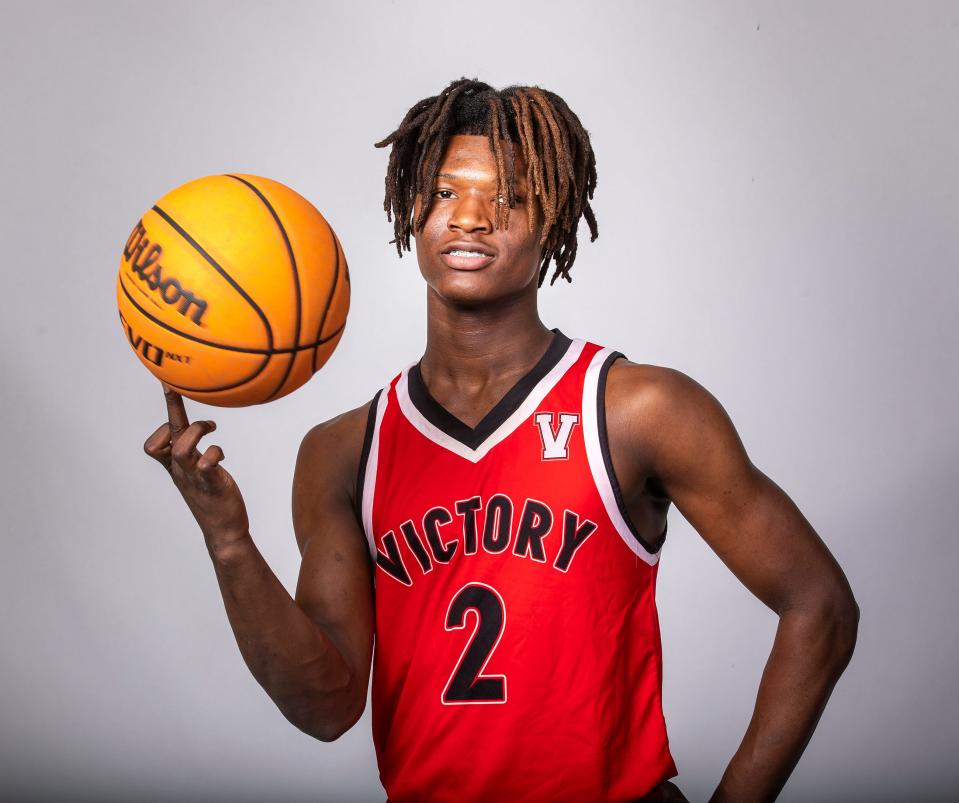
x=467, y=257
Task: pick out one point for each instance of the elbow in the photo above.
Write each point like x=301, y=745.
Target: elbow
x=332, y=729
x=846, y=627
x=827, y=617
x=837, y=614
x=328, y=719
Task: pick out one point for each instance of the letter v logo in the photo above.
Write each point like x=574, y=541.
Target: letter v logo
x=555, y=441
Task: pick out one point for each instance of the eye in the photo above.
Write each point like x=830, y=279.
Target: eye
x=443, y=195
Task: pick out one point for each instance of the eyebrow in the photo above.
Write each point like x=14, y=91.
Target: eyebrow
x=453, y=177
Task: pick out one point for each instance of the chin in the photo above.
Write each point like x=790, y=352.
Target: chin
x=475, y=288
x=467, y=289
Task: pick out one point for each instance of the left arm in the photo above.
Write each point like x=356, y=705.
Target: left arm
x=691, y=449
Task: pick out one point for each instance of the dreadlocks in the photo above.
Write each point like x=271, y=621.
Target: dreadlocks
x=560, y=167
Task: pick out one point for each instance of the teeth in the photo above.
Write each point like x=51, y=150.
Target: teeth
x=458, y=253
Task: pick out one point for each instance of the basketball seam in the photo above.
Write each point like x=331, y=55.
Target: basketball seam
x=271, y=351
x=296, y=276
x=224, y=388
x=183, y=233
x=329, y=297
x=259, y=370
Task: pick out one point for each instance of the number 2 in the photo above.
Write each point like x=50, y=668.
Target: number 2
x=466, y=685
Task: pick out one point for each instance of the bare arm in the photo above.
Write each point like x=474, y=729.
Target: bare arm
x=693, y=451
x=312, y=654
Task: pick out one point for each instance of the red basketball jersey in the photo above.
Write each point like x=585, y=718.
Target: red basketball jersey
x=517, y=653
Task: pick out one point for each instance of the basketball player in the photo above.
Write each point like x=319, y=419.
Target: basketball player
x=494, y=517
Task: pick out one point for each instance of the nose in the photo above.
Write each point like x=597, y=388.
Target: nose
x=471, y=214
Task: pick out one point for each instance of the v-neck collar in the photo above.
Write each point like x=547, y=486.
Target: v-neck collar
x=441, y=426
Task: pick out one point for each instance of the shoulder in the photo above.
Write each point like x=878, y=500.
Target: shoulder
x=346, y=426
x=327, y=466
x=332, y=450
x=653, y=390
x=664, y=412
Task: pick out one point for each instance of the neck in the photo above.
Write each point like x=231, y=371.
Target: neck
x=473, y=346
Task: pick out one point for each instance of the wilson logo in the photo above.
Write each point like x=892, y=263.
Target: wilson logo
x=150, y=351
x=143, y=259
x=555, y=439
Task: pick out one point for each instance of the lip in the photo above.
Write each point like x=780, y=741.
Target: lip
x=467, y=263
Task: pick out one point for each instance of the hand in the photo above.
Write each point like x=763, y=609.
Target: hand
x=208, y=489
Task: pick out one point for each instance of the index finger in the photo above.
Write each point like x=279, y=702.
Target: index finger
x=176, y=412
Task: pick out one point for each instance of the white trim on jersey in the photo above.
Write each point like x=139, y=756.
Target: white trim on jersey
x=522, y=413
x=369, y=479
x=594, y=455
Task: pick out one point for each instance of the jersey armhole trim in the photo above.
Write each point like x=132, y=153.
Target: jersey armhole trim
x=369, y=458
x=608, y=458
x=601, y=462
x=365, y=456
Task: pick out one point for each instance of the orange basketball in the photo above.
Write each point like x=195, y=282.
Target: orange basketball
x=233, y=289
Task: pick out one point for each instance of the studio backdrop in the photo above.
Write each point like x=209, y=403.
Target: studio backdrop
x=778, y=214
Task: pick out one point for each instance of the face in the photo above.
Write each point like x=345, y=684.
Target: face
x=463, y=258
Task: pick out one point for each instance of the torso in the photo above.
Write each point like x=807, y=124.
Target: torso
x=644, y=497
x=536, y=717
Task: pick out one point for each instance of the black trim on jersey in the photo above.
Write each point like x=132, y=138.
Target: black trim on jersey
x=472, y=437
x=365, y=455
x=608, y=460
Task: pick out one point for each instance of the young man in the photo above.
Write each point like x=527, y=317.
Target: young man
x=494, y=516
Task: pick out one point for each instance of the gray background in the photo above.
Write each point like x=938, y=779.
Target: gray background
x=778, y=206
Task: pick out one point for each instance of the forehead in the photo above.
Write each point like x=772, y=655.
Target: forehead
x=470, y=157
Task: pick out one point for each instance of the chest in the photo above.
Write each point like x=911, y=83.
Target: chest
x=528, y=493
x=530, y=499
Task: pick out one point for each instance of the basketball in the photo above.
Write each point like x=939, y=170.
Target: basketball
x=233, y=290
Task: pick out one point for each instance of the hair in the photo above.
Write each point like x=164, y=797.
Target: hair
x=560, y=166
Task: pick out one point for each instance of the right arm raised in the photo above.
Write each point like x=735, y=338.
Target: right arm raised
x=311, y=654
